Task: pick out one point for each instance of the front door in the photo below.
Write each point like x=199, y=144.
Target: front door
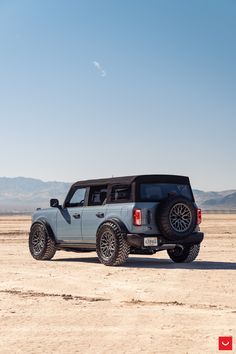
x=69, y=224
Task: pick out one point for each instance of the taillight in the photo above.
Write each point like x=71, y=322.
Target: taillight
x=137, y=217
x=199, y=216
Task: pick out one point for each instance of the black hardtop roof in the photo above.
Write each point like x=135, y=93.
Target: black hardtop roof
x=130, y=179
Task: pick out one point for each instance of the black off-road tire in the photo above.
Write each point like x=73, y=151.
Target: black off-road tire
x=163, y=217
x=110, y=234
x=186, y=255
x=41, y=242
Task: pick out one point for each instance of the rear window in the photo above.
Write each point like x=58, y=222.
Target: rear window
x=154, y=192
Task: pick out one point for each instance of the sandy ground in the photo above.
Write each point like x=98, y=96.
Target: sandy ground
x=74, y=304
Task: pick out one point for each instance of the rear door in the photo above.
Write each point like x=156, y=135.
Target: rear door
x=94, y=213
x=69, y=224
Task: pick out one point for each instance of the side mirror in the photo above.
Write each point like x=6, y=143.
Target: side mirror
x=54, y=203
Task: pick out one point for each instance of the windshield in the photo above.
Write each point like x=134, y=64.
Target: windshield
x=157, y=191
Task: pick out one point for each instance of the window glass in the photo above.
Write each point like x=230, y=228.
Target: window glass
x=78, y=197
x=159, y=191
x=120, y=193
x=98, y=195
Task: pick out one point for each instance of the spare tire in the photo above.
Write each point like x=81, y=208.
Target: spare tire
x=176, y=218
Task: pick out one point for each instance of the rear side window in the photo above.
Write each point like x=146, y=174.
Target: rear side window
x=98, y=195
x=154, y=192
x=120, y=193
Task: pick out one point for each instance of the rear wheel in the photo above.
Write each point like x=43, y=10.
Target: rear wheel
x=186, y=254
x=41, y=243
x=112, y=247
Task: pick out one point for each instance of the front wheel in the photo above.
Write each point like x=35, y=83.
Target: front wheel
x=41, y=243
x=112, y=247
x=186, y=254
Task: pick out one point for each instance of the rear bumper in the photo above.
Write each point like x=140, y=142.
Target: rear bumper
x=137, y=240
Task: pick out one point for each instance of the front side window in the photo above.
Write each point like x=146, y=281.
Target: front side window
x=77, y=198
x=157, y=191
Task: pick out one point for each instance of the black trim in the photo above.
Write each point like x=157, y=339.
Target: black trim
x=81, y=246
x=127, y=180
x=131, y=179
x=137, y=240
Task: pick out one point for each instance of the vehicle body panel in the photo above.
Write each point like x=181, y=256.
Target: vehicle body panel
x=78, y=225
x=68, y=225
x=91, y=221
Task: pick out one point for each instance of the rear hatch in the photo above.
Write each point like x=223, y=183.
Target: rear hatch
x=151, y=192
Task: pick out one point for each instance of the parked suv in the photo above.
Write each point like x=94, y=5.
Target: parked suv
x=118, y=216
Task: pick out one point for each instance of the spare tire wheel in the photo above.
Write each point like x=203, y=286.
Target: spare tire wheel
x=176, y=218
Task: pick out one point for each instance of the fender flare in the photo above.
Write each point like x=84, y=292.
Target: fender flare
x=117, y=222
x=47, y=226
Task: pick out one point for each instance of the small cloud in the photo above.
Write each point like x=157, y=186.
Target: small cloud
x=100, y=69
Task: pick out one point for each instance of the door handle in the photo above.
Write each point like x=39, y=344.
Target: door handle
x=100, y=215
x=76, y=216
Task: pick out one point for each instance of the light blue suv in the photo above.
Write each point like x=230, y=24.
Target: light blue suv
x=118, y=216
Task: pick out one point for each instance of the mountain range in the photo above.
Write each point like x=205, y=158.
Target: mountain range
x=22, y=194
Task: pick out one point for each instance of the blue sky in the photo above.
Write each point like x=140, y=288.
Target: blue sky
x=93, y=89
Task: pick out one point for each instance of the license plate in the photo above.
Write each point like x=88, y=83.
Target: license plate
x=150, y=241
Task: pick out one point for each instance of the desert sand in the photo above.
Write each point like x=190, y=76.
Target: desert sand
x=74, y=304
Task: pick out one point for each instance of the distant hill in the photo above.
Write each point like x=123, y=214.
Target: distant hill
x=224, y=200
x=22, y=194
